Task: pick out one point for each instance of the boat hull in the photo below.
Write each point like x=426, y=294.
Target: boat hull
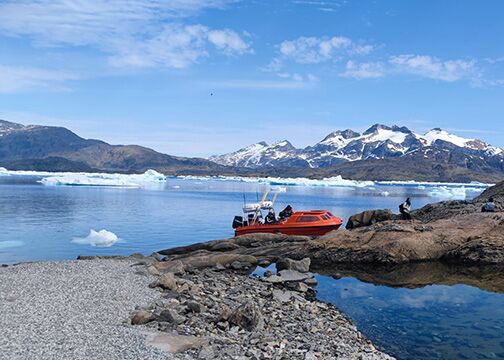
x=306, y=230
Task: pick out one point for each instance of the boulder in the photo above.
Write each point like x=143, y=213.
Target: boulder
x=174, y=343
x=247, y=316
x=174, y=266
x=168, y=282
x=288, y=276
x=142, y=317
x=171, y=317
x=369, y=217
x=302, y=266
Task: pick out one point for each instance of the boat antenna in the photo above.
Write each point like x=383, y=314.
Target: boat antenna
x=244, y=200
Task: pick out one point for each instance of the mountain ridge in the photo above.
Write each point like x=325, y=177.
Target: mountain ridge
x=378, y=142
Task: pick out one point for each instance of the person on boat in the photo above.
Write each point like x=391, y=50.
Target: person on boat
x=270, y=218
x=489, y=206
x=405, y=209
x=286, y=213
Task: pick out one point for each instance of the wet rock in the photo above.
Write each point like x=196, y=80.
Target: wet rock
x=302, y=266
x=311, y=282
x=247, y=316
x=299, y=287
x=142, y=317
x=268, y=273
x=288, y=275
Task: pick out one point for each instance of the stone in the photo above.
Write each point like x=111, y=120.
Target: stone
x=268, y=273
x=264, y=262
x=156, y=256
x=173, y=266
x=281, y=295
x=168, y=281
x=224, y=246
x=142, y=317
x=171, y=317
x=288, y=275
x=174, y=343
x=299, y=287
x=238, y=265
x=224, y=314
x=302, y=266
x=247, y=315
x=153, y=271
x=311, y=282
x=369, y=217
x=193, y=306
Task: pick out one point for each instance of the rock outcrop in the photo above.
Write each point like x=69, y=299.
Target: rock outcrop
x=370, y=217
x=467, y=238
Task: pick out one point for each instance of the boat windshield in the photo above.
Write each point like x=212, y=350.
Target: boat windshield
x=307, y=218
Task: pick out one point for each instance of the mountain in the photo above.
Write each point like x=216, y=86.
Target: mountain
x=380, y=153
x=50, y=148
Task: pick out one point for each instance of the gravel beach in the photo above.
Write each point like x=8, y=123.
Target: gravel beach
x=74, y=310
x=143, y=308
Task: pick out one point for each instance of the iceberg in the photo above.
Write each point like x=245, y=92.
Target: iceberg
x=101, y=179
x=102, y=238
x=336, y=181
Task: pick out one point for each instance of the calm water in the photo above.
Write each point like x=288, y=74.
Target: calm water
x=433, y=312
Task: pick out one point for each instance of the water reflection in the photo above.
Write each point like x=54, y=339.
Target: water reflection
x=424, y=310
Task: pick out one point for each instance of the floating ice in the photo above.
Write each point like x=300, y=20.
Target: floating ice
x=336, y=181
x=10, y=244
x=101, y=179
x=102, y=238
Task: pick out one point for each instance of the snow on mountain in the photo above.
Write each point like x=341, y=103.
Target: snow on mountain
x=378, y=142
x=7, y=127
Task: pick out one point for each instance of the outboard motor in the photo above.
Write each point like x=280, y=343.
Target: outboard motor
x=237, y=222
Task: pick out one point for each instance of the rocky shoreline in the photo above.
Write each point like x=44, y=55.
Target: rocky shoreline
x=143, y=307
x=451, y=231
x=223, y=313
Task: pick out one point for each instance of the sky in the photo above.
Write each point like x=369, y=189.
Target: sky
x=204, y=77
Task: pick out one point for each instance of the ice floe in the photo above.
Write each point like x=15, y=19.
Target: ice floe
x=440, y=190
x=10, y=244
x=102, y=238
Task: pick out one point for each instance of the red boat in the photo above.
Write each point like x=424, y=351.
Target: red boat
x=309, y=223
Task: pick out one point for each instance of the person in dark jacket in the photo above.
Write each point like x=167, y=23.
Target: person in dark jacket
x=270, y=218
x=286, y=213
x=489, y=206
x=405, y=209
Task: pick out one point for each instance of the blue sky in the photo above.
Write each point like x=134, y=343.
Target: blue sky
x=142, y=71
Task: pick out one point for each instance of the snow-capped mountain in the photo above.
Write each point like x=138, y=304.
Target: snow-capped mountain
x=378, y=142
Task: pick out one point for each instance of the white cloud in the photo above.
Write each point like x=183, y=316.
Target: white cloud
x=289, y=81
x=314, y=50
x=434, y=68
x=363, y=70
x=15, y=79
x=178, y=46
x=112, y=26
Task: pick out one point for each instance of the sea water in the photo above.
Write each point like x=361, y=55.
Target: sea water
x=46, y=216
